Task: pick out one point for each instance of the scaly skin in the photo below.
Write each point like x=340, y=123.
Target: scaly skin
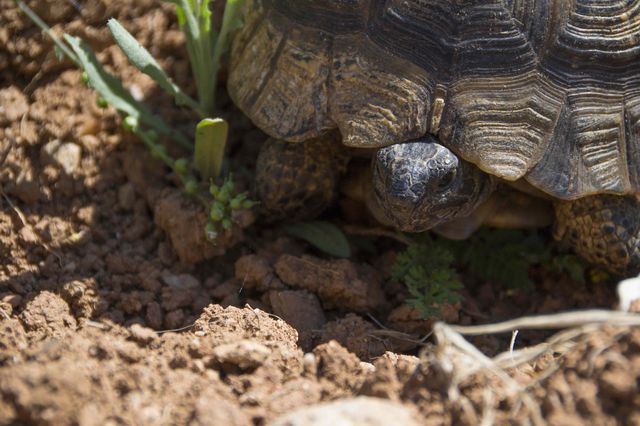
x=604, y=229
x=298, y=181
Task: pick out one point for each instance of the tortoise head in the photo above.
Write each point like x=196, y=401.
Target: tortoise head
x=420, y=184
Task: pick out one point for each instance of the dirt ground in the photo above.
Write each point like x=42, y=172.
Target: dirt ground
x=114, y=309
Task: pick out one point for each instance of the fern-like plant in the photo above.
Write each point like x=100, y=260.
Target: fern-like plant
x=426, y=268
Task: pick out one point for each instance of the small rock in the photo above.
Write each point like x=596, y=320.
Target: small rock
x=629, y=294
x=69, y=156
x=6, y=310
x=182, y=290
x=66, y=155
x=256, y=273
x=90, y=142
x=88, y=214
x=142, y=335
x=243, y=354
x=299, y=308
x=310, y=365
x=28, y=235
x=13, y=104
x=126, y=196
x=12, y=299
x=360, y=411
x=227, y=289
x=182, y=281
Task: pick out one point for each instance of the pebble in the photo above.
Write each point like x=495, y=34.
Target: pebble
x=299, y=308
x=180, y=292
x=244, y=354
x=628, y=293
x=66, y=155
x=360, y=411
x=12, y=299
x=13, y=105
x=142, y=335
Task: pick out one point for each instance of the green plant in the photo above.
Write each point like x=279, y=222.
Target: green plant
x=205, y=47
x=501, y=256
x=324, y=236
x=426, y=268
x=505, y=256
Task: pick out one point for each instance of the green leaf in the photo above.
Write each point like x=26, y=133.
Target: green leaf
x=111, y=89
x=426, y=269
x=196, y=31
x=502, y=256
x=211, y=138
x=142, y=59
x=231, y=21
x=568, y=263
x=324, y=236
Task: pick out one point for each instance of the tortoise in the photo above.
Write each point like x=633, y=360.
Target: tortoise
x=453, y=99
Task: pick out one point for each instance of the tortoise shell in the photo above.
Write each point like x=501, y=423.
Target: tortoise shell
x=545, y=90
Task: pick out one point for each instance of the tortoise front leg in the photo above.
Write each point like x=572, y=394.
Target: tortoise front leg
x=298, y=180
x=604, y=229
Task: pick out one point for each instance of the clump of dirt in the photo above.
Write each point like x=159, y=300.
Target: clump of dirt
x=115, y=308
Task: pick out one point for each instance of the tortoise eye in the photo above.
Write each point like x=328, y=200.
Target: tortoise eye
x=446, y=180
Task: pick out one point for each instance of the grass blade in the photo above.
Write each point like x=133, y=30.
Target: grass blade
x=211, y=138
x=324, y=236
x=231, y=21
x=142, y=59
x=111, y=89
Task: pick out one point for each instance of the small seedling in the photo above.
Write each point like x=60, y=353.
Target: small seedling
x=500, y=256
x=223, y=205
x=205, y=47
x=426, y=268
x=505, y=256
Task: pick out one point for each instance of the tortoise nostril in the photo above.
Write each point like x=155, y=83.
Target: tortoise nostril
x=399, y=187
x=418, y=189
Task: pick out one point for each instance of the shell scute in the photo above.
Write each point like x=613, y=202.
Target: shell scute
x=546, y=90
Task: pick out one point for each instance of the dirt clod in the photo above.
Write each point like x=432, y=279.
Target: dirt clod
x=13, y=104
x=243, y=354
x=338, y=283
x=47, y=315
x=184, y=223
x=255, y=272
x=299, y=308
